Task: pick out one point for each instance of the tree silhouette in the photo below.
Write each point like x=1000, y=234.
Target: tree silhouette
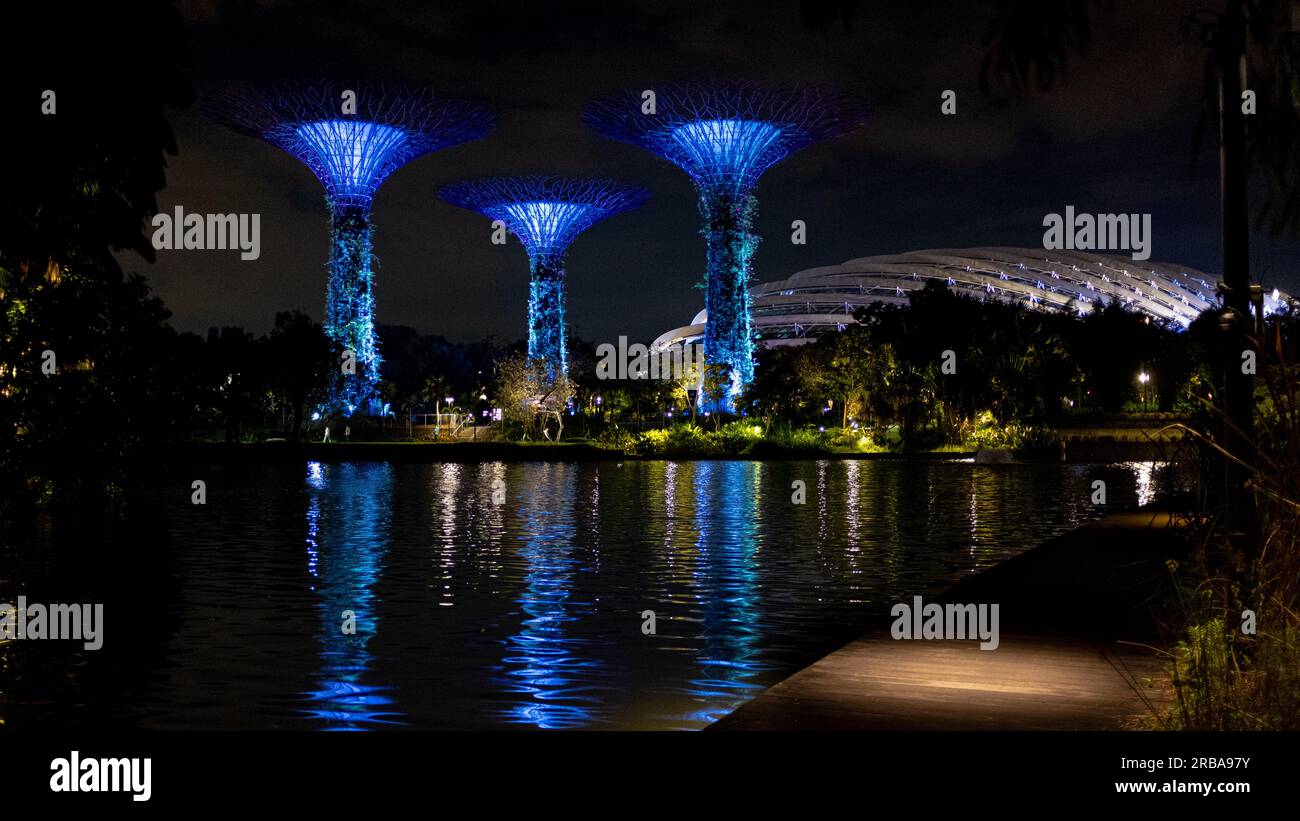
x=91, y=160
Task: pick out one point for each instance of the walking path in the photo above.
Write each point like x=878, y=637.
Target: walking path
x=1075, y=613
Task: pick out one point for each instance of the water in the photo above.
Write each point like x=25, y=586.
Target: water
x=526, y=614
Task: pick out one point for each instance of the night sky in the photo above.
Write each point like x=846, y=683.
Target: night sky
x=1117, y=136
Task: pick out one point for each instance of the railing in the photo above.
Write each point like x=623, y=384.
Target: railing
x=447, y=424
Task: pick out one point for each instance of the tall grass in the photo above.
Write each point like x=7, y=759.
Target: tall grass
x=1225, y=675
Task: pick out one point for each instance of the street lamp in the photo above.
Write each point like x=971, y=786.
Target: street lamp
x=1143, y=379
x=482, y=397
x=437, y=415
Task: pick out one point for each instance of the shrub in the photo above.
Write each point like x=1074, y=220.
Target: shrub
x=1225, y=678
x=616, y=438
x=652, y=442
x=985, y=432
x=691, y=440
x=799, y=439
x=738, y=436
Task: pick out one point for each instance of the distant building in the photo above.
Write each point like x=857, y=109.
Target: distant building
x=821, y=300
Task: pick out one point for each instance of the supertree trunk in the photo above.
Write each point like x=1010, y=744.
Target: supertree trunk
x=728, y=334
x=351, y=154
x=546, y=214
x=546, y=334
x=350, y=309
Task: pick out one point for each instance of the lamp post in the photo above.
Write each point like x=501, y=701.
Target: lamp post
x=1229, y=44
x=437, y=415
x=1143, y=379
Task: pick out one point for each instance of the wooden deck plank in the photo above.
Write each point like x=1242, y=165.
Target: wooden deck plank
x=1028, y=683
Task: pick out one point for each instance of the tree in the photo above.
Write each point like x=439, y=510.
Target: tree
x=84, y=188
x=526, y=392
x=239, y=373
x=717, y=386
x=682, y=385
x=299, y=356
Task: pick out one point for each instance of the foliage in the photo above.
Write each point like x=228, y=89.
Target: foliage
x=83, y=189
x=986, y=432
x=736, y=436
x=1013, y=372
x=619, y=439
x=300, y=358
x=530, y=396
x=798, y=438
x=1226, y=677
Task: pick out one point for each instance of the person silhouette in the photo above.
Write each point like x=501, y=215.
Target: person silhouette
x=326, y=437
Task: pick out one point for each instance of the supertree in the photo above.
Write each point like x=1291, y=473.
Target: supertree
x=725, y=137
x=546, y=214
x=352, y=136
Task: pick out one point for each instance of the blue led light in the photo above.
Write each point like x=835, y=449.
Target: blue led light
x=730, y=154
x=547, y=341
x=351, y=157
x=347, y=540
x=546, y=228
x=725, y=137
x=547, y=670
x=546, y=214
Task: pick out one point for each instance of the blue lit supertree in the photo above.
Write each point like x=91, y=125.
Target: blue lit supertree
x=725, y=137
x=546, y=214
x=352, y=136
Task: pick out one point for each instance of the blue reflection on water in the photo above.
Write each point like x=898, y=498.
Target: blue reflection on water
x=542, y=661
x=347, y=539
x=728, y=495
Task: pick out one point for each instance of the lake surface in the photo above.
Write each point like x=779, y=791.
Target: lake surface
x=507, y=595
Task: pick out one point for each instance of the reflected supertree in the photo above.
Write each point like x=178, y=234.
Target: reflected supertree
x=725, y=137
x=730, y=656
x=546, y=214
x=352, y=136
x=347, y=540
x=545, y=665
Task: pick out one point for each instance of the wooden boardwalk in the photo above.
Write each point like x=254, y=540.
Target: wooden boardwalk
x=1059, y=665
x=1028, y=683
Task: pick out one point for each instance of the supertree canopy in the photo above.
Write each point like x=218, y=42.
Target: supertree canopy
x=546, y=214
x=352, y=136
x=725, y=137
